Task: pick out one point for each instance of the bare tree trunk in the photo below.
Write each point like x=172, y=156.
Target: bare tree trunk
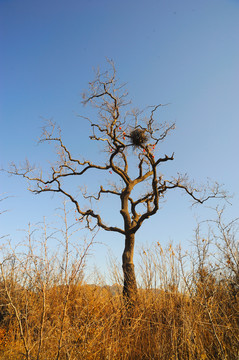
x=130, y=286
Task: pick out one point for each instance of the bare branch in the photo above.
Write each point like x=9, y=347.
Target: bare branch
x=214, y=192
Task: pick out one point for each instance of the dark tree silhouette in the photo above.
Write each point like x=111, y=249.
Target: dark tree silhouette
x=125, y=136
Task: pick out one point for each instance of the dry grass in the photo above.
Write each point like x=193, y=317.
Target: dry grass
x=187, y=306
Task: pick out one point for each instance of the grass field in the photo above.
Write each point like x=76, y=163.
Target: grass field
x=187, y=305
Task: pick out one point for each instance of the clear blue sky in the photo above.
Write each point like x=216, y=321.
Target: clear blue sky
x=185, y=53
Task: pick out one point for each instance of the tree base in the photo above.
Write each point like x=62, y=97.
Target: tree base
x=130, y=292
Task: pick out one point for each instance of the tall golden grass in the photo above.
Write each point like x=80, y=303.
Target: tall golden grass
x=187, y=306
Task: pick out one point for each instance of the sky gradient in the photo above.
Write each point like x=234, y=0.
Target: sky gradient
x=184, y=53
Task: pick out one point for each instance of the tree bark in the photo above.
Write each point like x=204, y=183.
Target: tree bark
x=130, y=286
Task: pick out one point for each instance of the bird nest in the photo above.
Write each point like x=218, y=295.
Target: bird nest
x=138, y=137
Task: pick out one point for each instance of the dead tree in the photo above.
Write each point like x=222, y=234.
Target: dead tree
x=125, y=136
